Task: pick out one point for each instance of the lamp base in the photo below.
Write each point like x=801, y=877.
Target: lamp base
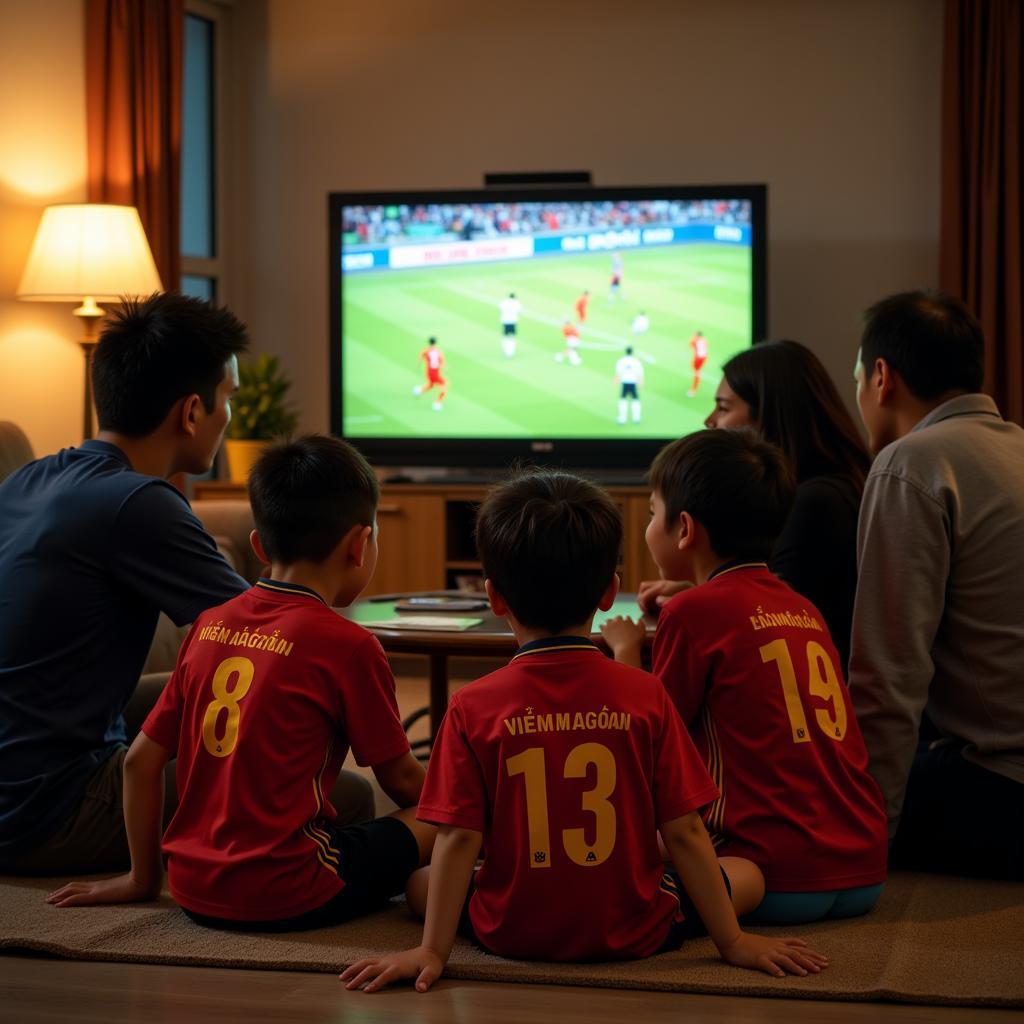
x=90, y=314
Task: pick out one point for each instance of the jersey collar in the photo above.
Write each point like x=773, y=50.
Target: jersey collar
x=289, y=588
x=546, y=644
x=734, y=565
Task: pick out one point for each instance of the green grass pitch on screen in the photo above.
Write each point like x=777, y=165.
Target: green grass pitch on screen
x=389, y=315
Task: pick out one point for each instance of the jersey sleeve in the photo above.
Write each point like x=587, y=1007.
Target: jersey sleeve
x=681, y=781
x=455, y=792
x=370, y=707
x=678, y=661
x=162, y=553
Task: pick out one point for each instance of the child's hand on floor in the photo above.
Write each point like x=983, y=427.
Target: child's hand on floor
x=123, y=889
x=374, y=972
x=773, y=956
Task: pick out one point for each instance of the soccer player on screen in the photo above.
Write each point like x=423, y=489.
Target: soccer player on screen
x=509, y=309
x=572, y=343
x=629, y=372
x=581, y=307
x=699, y=347
x=433, y=359
x=615, y=285
x=641, y=323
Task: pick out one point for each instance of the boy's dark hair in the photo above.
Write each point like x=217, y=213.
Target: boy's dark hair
x=932, y=340
x=796, y=406
x=307, y=494
x=736, y=485
x=154, y=351
x=549, y=543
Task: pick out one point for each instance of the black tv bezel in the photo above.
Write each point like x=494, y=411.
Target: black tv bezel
x=595, y=453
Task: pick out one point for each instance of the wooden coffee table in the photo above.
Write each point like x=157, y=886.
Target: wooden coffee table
x=491, y=637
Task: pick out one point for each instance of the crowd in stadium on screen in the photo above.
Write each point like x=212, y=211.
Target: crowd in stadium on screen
x=376, y=225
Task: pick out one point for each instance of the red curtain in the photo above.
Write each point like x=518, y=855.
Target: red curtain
x=133, y=116
x=982, y=232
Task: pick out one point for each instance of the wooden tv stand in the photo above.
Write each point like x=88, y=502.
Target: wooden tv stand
x=426, y=534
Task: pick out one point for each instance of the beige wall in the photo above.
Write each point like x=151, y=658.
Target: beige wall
x=833, y=103
x=42, y=161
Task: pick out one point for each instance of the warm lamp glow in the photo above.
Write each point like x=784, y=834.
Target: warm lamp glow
x=83, y=252
x=89, y=250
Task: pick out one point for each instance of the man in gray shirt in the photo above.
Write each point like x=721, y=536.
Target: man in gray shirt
x=937, y=651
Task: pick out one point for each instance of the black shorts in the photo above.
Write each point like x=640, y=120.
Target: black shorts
x=629, y=391
x=508, y=328
x=377, y=859
x=686, y=924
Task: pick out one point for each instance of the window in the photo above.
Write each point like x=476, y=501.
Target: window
x=202, y=267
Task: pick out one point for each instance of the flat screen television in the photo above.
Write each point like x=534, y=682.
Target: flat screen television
x=574, y=326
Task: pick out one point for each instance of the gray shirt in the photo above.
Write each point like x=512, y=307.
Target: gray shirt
x=938, y=621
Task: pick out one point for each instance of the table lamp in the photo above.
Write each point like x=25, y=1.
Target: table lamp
x=89, y=253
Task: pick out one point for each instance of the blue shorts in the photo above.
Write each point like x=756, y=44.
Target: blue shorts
x=804, y=907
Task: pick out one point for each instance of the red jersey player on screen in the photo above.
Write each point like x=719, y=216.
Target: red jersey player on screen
x=563, y=766
x=581, y=307
x=270, y=692
x=571, y=334
x=751, y=668
x=433, y=361
x=699, y=348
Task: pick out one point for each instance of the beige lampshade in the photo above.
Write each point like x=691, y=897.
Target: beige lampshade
x=89, y=249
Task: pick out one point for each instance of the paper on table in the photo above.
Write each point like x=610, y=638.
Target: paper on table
x=445, y=622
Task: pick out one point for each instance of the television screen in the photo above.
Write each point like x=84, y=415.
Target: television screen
x=585, y=325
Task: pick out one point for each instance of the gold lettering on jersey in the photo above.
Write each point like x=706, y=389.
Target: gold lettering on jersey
x=566, y=721
x=244, y=637
x=796, y=620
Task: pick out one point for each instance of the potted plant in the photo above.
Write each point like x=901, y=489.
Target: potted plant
x=259, y=414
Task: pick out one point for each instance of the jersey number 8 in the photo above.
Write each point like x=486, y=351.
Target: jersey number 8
x=226, y=700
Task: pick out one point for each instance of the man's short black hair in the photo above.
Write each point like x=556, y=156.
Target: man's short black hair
x=549, y=543
x=153, y=352
x=307, y=494
x=736, y=485
x=932, y=340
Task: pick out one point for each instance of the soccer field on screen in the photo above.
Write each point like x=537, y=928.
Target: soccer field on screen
x=389, y=315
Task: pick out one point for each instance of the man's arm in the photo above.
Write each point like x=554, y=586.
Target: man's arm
x=143, y=814
x=164, y=555
x=455, y=853
x=402, y=779
x=903, y=555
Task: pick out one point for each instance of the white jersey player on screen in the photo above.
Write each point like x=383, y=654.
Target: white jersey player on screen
x=641, y=323
x=629, y=372
x=509, y=309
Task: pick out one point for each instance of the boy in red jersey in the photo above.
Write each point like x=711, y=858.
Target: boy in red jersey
x=433, y=359
x=753, y=671
x=564, y=765
x=269, y=692
x=572, y=343
x=581, y=307
x=699, y=348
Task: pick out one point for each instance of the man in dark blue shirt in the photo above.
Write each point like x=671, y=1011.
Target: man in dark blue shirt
x=94, y=544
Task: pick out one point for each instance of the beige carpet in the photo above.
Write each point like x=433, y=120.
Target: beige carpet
x=930, y=940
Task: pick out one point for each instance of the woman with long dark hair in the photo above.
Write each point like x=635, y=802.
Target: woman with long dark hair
x=782, y=389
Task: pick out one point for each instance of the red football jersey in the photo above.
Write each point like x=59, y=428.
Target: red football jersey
x=569, y=330
x=581, y=306
x=752, y=669
x=567, y=762
x=269, y=691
